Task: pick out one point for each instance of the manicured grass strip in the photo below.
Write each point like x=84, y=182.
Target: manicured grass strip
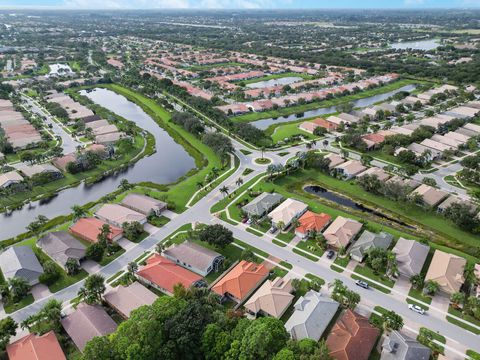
x=254, y=232
x=413, y=302
x=11, y=307
x=459, y=314
x=279, y=272
x=310, y=246
x=159, y=221
x=418, y=294
x=223, y=216
x=117, y=274
x=336, y=268
x=426, y=336
x=279, y=243
x=245, y=152
x=315, y=277
x=247, y=171
x=473, y=355
x=251, y=248
x=108, y=259
x=342, y=261
x=286, y=264
x=286, y=237
x=367, y=272
x=372, y=285
x=309, y=257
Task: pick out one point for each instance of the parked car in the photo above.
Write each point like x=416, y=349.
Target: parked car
x=362, y=284
x=249, y=221
x=417, y=309
x=272, y=230
x=244, y=220
x=330, y=254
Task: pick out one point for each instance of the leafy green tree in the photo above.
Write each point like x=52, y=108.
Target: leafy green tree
x=431, y=287
x=77, y=212
x=216, y=235
x=95, y=252
x=18, y=288
x=392, y=321
x=93, y=289
x=417, y=281
x=72, y=266
x=51, y=273
x=215, y=342
x=8, y=328
x=132, y=230
x=99, y=348
x=457, y=299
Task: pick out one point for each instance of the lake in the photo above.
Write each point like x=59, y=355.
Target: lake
x=170, y=162
x=274, y=82
x=426, y=45
x=265, y=123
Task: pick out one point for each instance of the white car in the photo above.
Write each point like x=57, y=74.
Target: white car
x=417, y=309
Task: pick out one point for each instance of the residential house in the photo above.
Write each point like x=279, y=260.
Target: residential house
x=20, y=261
x=411, y=256
x=9, y=178
x=397, y=346
x=116, y=215
x=447, y=270
x=367, y=241
x=241, y=281
x=311, y=317
x=272, y=298
x=125, y=299
x=435, y=145
x=452, y=199
x=144, y=204
x=352, y=337
x=31, y=170
x=284, y=214
x=36, y=347
x=335, y=160
x=422, y=150
x=60, y=246
x=87, y=322
x=472, y=127
x=446, y=140
x=350, y=169
x=63, y=161
x=311, y=222
x=373, y=140
x=90, y=228
x=429, y=195
x=262, y=204
x=194, y=257
x=404, y=181
x=163, y=274
x=381, y=174
x=341, y=232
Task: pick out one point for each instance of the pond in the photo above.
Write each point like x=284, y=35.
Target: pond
x=265, y=123
x=344, y=201
x=274, y=82
x=426, y=45
x=170, y=162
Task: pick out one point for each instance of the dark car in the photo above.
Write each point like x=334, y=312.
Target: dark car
x=362, y=284
x=330, y=254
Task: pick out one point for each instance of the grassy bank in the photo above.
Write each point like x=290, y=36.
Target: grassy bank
x=253, y=116
x=205, y=159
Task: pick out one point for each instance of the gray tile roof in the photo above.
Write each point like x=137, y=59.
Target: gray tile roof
x=400, y=347
x=20, y=261
x=61, y=246
x=189, y=254
x=369, y=240
x=262, y=204
x=313, y=313
x=86, y=322
x=411, y=256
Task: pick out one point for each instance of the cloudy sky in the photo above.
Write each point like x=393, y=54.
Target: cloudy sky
x=237, y=4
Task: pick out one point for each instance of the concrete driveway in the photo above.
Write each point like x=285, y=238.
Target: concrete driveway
x=125, y=243
x=90, y=266
x=40, y=291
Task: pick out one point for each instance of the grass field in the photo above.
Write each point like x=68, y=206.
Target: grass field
x=276, y=76
x=324, y=103
x=204, y=156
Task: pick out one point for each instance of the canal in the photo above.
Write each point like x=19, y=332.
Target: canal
x=170, y=162
x=360, y=103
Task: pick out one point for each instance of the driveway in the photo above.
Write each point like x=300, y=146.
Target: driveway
x=90, y=266
x=40, y=291
x=402, y=285
x=150, y=229
x=125, y=243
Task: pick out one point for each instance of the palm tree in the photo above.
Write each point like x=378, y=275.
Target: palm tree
x=125, y=185
x=431, y=287
x=417, y=281
x=18, y=288
x=199, y=185
x=325, y=143
x=224, y=190
x=308, y=145
x=457, y=299
x=77, y=212
x=239, y=182
x=262, y=149
x=344, y=153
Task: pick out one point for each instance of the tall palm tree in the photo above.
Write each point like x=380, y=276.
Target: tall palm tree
x=224, y=190
x=199, y=185
x=77, y=212
x=239, y=182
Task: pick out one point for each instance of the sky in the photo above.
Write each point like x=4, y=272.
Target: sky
x=240, y=4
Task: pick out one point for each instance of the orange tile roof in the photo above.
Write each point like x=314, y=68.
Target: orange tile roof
x=311, y=221
x=166, y=274
x=375, y=137
x=90, y=228
x=241, y=280
x=35, y=347
x=352, y=337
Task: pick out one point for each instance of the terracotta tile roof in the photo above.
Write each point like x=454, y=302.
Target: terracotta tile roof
x=312, y=222
x=166, y=274
x=241, y=280
x=35, y=347
x=352, y=337
x=90, y=228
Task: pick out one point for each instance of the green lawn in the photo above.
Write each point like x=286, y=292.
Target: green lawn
x=468, y=318
x=368, y=273
x=158, y=221
x=310, y=246
x=108, y=259
x=418, y=294
x=276, y=76
x=424, y=338
x=474, y=355
x=315, y=277
x=205, y=158
x=11, y=307
x=253, y=116
x=280, y=132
